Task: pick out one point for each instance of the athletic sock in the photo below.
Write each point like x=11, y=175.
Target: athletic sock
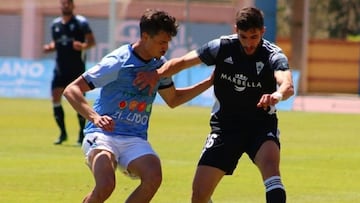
x=275, y=191
x=59, y=118
x=82, y=125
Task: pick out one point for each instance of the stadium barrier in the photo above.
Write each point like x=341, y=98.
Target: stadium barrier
x=25, y=78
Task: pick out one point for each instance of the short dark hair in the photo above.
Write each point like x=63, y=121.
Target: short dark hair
x=153, y=21
x=249, y=18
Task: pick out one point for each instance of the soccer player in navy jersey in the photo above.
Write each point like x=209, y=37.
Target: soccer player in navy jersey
x=71, y=37
x=251, y=76
x=116, y=134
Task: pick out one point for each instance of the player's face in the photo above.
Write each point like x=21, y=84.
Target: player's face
x=67, y=7
x=157, y=45
x=250, y=39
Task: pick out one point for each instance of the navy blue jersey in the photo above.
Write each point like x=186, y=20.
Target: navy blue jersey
x=240, y=80
x=68, y=60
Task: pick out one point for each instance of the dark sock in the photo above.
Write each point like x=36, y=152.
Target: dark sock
x=277, y=195
x=82, y=121
x=59, y=118
x=275, y=192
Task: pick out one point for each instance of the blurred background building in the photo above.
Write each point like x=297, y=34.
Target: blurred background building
x=320, y=37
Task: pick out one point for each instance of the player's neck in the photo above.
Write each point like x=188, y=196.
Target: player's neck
x=140, y=50
x=66, y=18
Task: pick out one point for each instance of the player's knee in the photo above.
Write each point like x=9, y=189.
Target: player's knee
x=268, y=170
x=103, y=191
x=151, y=177
x=268, y=167
x=152, y=180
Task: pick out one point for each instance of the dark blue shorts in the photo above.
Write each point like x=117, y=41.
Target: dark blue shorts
x=63, y=78
x=226, y=143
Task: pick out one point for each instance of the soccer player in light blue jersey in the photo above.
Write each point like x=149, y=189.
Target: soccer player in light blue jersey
x=116, y=134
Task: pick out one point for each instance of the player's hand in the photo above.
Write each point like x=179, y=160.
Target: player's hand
x=47, y=48
x=77, y=45
x=144, y=79
x=268, y=100
x=105, y=122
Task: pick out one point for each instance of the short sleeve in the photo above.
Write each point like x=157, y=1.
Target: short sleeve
x=208, y=52
x=279, y=61
x=85, y=27
x=102, y=73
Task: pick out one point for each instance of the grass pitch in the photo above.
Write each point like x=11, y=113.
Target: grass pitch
x=320, y=157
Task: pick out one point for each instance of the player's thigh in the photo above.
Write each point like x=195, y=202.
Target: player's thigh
x=96, y=145
x=267, y=159
x=101, y=157
x=146, y=166
x=103, y=165
x=206, y=179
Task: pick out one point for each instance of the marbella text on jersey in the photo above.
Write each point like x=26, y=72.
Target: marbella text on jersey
x=240, y=80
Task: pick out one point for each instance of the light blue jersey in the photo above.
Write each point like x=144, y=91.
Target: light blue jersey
x=129, y=107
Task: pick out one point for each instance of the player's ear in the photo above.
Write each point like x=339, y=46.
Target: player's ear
x=234, y=29
x=145, y=36
x=263, y=30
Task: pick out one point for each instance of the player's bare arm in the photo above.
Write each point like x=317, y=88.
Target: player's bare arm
x=285, y=83
x=49, y=47
x=74, y=93
x=171, y=67
x=175, y=97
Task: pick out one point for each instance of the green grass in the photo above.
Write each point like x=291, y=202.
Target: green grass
x=320, y=157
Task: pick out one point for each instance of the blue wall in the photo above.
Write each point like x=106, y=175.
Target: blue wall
x=269, y=7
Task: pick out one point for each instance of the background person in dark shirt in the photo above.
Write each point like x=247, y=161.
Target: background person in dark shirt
x=71, y=37
x=251, y=76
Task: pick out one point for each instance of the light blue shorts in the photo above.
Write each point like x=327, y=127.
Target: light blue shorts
x=124, y=148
